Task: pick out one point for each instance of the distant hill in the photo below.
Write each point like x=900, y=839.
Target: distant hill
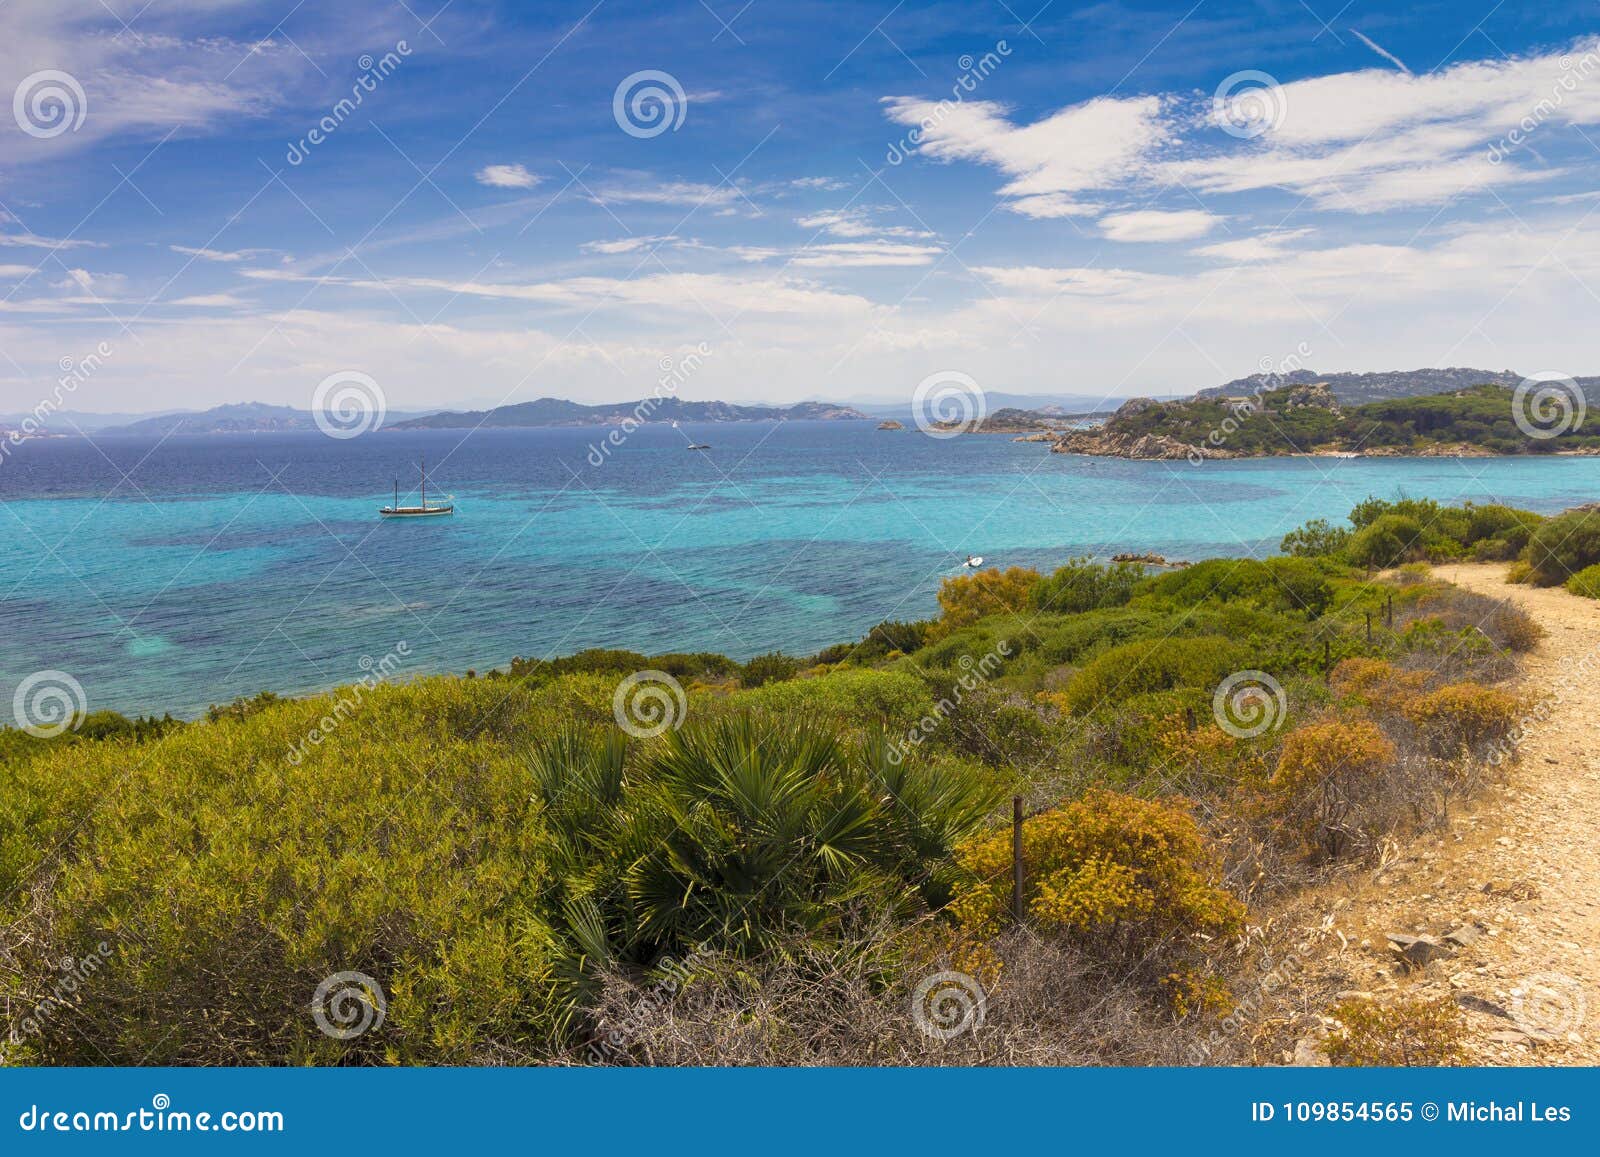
x=234, y=418
x=238, y=418
x=1310, y=419
x=1356, y=389
x=558, y=412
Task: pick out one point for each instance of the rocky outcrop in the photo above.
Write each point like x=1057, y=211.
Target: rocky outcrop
x=891, y=424
x=1141, y=446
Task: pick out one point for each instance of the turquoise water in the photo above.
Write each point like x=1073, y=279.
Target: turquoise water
x=170, y=576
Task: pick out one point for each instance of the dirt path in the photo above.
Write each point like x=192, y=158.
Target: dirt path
x=1521, y=870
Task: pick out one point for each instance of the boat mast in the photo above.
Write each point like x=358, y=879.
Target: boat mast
x=424, y=482
x=397, y=494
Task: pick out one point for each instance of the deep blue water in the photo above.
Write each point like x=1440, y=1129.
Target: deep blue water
x=167, y=577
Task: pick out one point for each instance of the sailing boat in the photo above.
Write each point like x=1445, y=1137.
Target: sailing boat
x=398, y=511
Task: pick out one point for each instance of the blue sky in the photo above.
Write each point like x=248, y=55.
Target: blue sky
x=842, y=198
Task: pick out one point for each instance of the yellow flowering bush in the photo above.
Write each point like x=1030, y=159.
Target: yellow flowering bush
x=1107, y=862
x=965, y=599
x=1375, y=681
x=1410, y=1032
x=1463, y=715
x=1325, y=772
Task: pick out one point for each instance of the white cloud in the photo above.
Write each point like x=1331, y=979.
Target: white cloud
x=856, y=222
x=626, y=244
x=691, y=193
x=1082, y=148
x=1262, y=247
x=846, y=254
x=676, y=292
x=507, y=177
x=1365, y=142
x=212, y=300
x=222, y=255
x=1158, y=225
x=92, y=283
x=17, y=270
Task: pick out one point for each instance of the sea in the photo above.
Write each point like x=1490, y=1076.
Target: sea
x=165, y=576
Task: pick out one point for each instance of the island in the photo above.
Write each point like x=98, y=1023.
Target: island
x=1309, y=419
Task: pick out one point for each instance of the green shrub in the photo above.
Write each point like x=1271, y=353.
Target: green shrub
x=1153, y=665
x=1389, y=540
x=1586, y=582
x=1082, y=585
x=1317, y=538
x=854, y=696
x=772, y=667
x=1562, y=546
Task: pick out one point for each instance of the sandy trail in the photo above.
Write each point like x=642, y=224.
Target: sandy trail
x=1522, y=866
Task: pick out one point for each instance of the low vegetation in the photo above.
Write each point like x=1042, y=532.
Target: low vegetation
x=773, y=872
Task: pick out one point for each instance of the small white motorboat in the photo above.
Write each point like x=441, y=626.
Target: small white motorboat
x=974, y=561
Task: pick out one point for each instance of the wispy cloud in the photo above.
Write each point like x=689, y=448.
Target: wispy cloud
x=507, y=177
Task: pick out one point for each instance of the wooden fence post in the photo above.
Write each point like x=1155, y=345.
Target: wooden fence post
x=1016, y=861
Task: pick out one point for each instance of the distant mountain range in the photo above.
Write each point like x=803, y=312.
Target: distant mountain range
x=259, y=417
x=1358, y=389
x=235, y=418
x=556, y=412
